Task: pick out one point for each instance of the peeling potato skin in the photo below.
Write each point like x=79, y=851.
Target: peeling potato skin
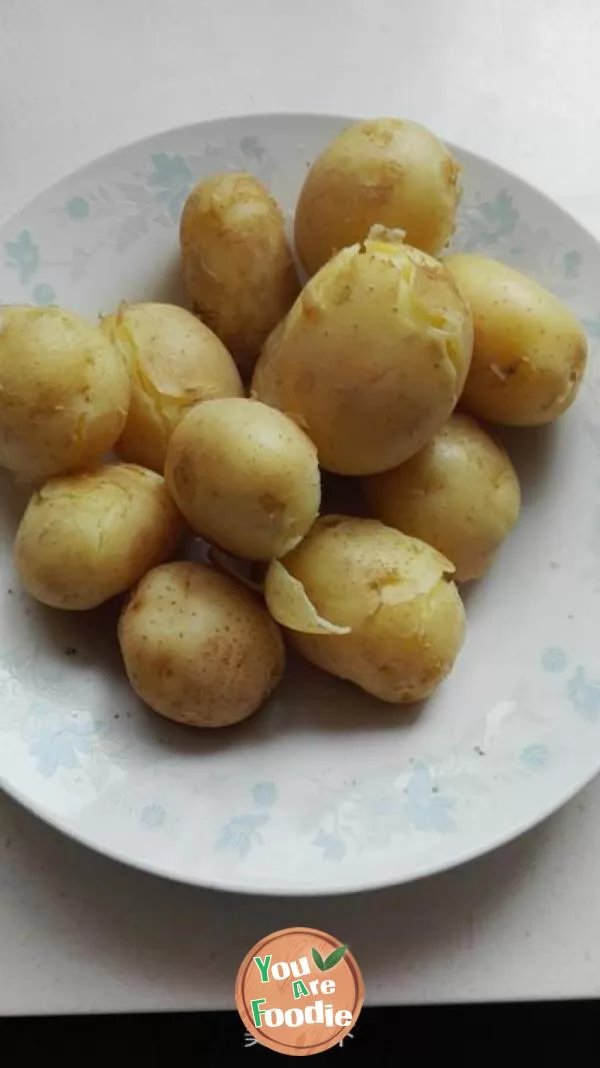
x=388, y=171
x=399, y=650
x=198, y=647
x=64, y=392
x=460, y=494
x=237, y=265
x=359, y=363
x=529, y=352
x=87, y=537
x=245, y=477
x=175, y=361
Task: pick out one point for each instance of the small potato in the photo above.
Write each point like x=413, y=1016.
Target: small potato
x=175, y=361
x=245, y=477
x=198, y=647
x=529, y=352
x=86, y=537
x=369, y=604
x=460, y=494
x=388, y=171
x=64, y=392
x=372, y=358
x=237, y=264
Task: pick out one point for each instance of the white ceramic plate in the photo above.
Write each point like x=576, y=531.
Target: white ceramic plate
x=324, y=791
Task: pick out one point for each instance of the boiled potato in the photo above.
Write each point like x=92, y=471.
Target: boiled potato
x=64, y=392
x=198, y=647
x=388, y=171
x=86, y=537
x=237, y=264
x=372, y=358
x=369, y=604
x=244, y=476
x=460, y=494
x=529, y=352
x=175, y=361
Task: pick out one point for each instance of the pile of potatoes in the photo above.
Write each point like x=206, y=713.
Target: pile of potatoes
x=222, y=417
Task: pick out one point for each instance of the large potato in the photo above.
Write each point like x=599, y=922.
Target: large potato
x=372, y=358
x=175, y=361
x=237, y=264
x=460, y=494
x=245, y=477
x=86, y=537
x=369, y=604
x=388, y=171
x=529, y=352
x=64, y=392
x=198, y=647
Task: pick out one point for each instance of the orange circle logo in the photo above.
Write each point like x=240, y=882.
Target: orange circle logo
x=299, y=991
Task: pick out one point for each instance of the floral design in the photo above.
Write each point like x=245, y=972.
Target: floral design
x=554, y=660
x=56, y=740
x=172, y=177
x=153, y=816
x=77, y=208
x=44, y=294
x=242, y=832
x=535, y=757
x=484, y=223
x=427, y=809
x=331, y=844
x=264, y=793
x=23, y=255
x=584, y=694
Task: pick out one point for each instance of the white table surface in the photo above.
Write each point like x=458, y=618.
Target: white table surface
x=511, y=80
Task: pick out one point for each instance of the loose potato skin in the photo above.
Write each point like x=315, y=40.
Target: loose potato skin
x=237, y=264
x=64, y=392
x=175, y=361
x=388, y=171
x=198, y=647
x=86, y=537
x=406, y=617
x=244, y=476
x=460, y=494
x=372, y=358
x=529, y=352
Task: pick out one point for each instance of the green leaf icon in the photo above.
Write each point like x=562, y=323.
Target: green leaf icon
x=316, y=956
x=333, y=958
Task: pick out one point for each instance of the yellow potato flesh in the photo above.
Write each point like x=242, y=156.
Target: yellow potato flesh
x=198, y=647
x=86, y=537
x=175, y=361
x=529, y=352
x=388, y=171
x=405, y=617
x=237, y=264
x=64, y=392
x=245, y=477
x=460, y=494
x=371, y=359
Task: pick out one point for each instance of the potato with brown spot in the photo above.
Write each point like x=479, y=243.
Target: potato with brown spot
x=245, y=477
x=460, y=494
x=370, y=605
x=372, y=358
x=198, y=647
x=87, y=537
x=237, y=265
x=388, y=171
x=64, y=392
x=175, y=361
x=529, y=351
